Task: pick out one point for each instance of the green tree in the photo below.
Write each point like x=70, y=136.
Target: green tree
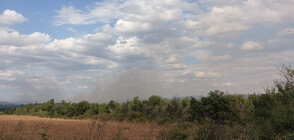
x=196, y=110
x=173, y=108
x=81, y=108
x=137, y=105
x=93, y=109
x=216, y=107
x=155, y=100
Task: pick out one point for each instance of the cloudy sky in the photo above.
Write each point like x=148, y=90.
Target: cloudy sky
x=118, y=49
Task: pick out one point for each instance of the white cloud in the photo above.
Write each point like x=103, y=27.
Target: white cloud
x=128, y=46
x=251, y=45
x=285, y=32
x=71, y=15
x=226, y=84
x=224, y=20
x=171, y=59
x=220, y=21
x=283, y=38
x=175, y=66
x=65, y=44
x=37, y=50
x=83, y=87
x=220, y=2
x=234, y=17
x=11, y=17
x=16, y=39
x=107, y=11
x=91, y=60
x=220, y=58
x=132, y=27
x=200, y=74
x=205, y=55
x=208, y=74
x=173, y=62
x=10, y=75
x=103, y=12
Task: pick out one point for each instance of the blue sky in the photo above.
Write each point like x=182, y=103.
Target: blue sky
x=42, y=13
x=118, y=49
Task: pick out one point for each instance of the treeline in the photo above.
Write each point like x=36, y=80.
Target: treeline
x=217, y=116
x=153, y=109
x=5, y=106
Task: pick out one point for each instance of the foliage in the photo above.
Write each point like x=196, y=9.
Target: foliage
x=216, y=107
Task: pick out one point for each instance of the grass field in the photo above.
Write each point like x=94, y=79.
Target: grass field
x=30, y=128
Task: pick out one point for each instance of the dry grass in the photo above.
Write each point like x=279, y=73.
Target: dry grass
x=30, y=128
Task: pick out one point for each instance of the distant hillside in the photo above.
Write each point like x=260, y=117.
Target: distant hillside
x=6, y=105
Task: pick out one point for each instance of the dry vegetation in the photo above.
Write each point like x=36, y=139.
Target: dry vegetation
x=29, y=127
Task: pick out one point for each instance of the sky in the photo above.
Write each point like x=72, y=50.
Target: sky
x=118, y=49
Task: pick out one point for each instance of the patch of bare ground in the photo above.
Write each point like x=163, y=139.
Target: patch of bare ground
x=30, y=128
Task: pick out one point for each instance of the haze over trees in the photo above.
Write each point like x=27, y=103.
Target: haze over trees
x=216, y=116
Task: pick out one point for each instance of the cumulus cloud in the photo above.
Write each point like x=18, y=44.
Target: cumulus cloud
x=65, y=44
x=11, y=17
x=251, y=45
x=223, y=20
x=37, y=50
x=132, y=27
x=16, y=39
x=234, y=17
x=129, y=46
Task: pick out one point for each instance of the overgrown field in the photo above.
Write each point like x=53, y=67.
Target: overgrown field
x=13, y=127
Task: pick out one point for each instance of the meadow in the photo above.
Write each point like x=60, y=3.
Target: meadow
x=16, y=127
